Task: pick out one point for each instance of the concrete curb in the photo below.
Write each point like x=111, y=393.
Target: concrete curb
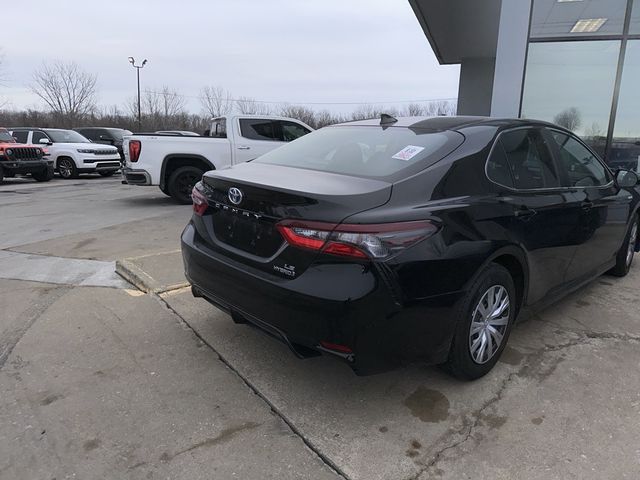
x=135, y=275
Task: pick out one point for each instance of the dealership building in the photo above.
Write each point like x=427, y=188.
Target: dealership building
x=571, y=62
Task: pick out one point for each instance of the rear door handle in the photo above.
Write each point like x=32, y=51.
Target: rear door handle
x=524, y=213
x=244, y=147
x=586, y=205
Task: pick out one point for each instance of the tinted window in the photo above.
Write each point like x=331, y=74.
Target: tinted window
x=21, y=135
x=257, y=129
x=529, y=160
x=90, y=133
x=365, y=151
x=498, y=169
x=37, y=136
x=581, y=167
x=219, y=128
x=288, y=131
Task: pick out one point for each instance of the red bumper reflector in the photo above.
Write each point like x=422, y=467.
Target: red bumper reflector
x=336, y=347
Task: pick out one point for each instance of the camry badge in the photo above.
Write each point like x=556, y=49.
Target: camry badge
x=235, y=195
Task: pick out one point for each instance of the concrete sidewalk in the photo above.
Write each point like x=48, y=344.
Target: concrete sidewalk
x=105, y=385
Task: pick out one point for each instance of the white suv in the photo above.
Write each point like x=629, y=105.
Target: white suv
x=71, y=153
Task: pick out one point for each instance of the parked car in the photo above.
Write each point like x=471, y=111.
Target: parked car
x=105, y=136
x=184, y=133
x=72, y=154
x=176, y=163
x=16, y=159
x=409, y=240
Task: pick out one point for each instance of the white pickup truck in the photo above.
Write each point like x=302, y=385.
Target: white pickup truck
x=175, y=162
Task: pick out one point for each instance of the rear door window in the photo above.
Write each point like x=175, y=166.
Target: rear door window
x=530, y=161
x=258, y=129
x=21, y=136
x=580, y=166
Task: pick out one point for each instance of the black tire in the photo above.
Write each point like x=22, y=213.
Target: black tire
x=67, y=168
x=1, y=174
x=624, y=257
x=9, y=174
x=165, y=191
x=461, y=363
x=106, y=174
x=181, y=183
x=44, y=175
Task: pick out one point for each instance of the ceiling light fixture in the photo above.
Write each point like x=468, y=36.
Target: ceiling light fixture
x=586, y=25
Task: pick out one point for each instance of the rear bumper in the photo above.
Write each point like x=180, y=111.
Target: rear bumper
x=135, y=177
x=340, y=303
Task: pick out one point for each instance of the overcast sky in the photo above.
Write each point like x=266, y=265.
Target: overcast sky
x=295, y=51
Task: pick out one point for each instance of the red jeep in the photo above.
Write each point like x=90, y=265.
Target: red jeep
x=19, y=159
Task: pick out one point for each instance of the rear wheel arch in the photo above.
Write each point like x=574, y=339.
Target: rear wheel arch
x=172, y=162
x=514, y=259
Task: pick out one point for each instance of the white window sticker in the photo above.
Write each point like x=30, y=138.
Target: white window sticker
x=408, y=152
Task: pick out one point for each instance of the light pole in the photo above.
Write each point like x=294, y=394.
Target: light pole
x=132, y=61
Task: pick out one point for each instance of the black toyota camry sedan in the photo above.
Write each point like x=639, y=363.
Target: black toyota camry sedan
x=414, y=239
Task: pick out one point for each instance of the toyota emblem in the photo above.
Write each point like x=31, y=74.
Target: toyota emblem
x=235, y=195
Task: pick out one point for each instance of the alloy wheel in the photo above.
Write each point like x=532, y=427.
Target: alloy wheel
x=633, y=236
x=65, y=168
x=186, y=182
x=489, y=323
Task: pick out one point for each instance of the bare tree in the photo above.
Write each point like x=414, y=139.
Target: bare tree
x=299, y=112
x=68, y=91
x=413, y=110
x=171, y=102
x=569, y=118
x=251, y=106
x=216, y=101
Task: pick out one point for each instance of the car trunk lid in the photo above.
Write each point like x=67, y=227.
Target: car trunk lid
x=247, y=201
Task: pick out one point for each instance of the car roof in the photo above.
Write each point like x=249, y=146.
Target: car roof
x=41, y=128
x=456, y=123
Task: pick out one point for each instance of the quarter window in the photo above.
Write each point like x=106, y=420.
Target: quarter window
x=529, y=160
x=257, y=129
x=580, y=166
x=498, y=169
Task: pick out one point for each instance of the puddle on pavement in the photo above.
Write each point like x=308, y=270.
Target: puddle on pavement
x=428, y=405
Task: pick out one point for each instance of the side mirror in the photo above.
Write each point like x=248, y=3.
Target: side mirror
x=626, y=178
x=104, y=138
x=44, y=141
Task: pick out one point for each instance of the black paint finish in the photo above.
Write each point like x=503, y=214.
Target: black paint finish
x=396, y=311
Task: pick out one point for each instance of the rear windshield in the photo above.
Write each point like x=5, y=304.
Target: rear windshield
x=366, y=151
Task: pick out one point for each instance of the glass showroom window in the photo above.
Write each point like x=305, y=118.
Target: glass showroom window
x=625, y=145
x=634, y=24
x=571, y=84
x=577, y=18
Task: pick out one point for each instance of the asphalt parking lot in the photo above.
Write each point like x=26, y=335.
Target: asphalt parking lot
x=102, y=380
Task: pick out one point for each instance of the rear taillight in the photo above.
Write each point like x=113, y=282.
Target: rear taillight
x=134, y=150
x=200, y=202
x=376, y=241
